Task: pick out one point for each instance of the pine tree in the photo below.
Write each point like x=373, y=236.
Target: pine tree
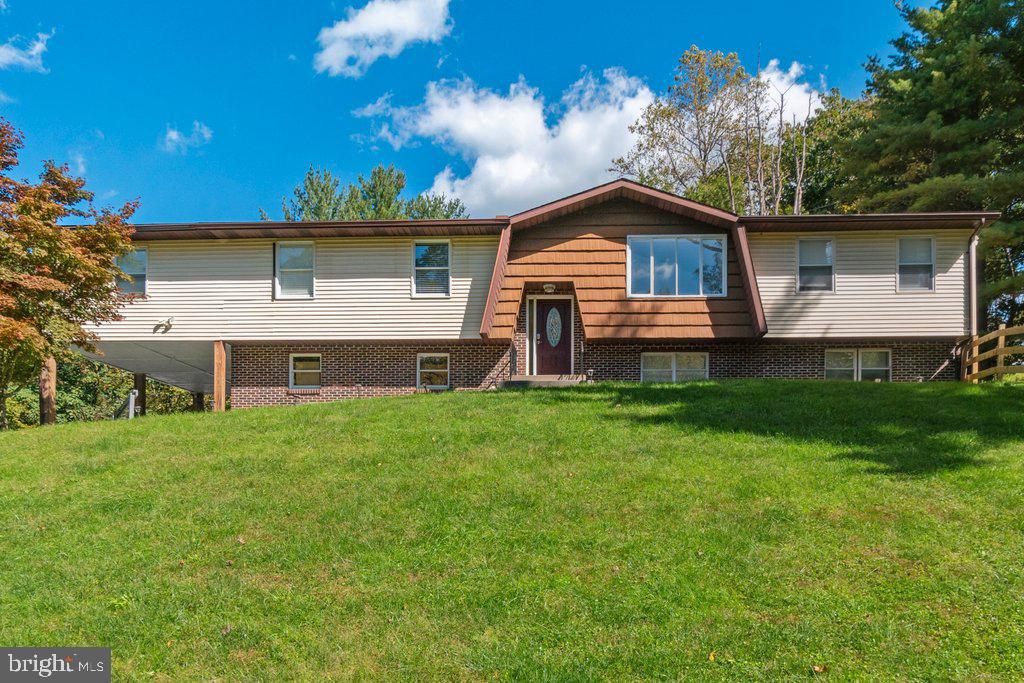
x=946, y=131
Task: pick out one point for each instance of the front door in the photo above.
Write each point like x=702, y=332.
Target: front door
x=553, y=337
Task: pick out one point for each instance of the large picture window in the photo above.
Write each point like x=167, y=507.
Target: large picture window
x=917, y=264
x=134, y=264
x=294, y=270
x=815, y=265
x=431, y=269
x=672, y=266
x=673, y=367
x=866, y=365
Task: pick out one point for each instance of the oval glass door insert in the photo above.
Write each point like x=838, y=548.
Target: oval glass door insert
x=554, y=327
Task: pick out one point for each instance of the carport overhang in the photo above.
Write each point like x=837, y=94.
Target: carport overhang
x=188, y=365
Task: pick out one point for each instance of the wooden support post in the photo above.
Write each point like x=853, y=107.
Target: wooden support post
x=198, y=401
x=220, y=377
x=1000, y=344
x=140, y=398
x=48, y=392
x=974, y=365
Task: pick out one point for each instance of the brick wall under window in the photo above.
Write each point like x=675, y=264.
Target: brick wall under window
x=259, y=372
x=912, y=361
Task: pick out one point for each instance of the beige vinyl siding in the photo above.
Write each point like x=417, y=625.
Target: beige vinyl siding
x=224, y=290
x=865, y=302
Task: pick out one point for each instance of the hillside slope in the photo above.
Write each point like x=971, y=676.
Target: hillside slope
x=732, y=530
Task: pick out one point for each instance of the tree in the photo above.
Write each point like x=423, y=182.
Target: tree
x=946, y=131
x=375, y=198
x=835, y=122
x=316, y=199
x=719, y=136
x=685, y=138
x=54, y=278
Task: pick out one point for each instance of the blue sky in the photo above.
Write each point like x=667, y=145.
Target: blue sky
x=210, y=110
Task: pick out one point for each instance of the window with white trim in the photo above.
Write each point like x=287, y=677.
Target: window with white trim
x=673, y=367
x=431, y=269
x=304, y=371
x=134, y=265
x=432, y=371
x=916, y=264
x=676, y=265
x=294, y=270
x=866, y=365
x=815, y=265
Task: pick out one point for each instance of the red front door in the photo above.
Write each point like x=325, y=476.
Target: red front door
x=553, y=337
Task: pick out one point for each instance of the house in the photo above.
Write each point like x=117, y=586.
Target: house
x=620, y=282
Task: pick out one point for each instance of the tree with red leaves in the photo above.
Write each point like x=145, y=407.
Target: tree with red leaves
x=54, y=277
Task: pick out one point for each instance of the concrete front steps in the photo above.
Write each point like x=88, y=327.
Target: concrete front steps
x=531, y=381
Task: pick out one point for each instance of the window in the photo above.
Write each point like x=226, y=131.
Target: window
x=134, y=265
x=917, y=264
x=304, y=371
x=867, y=365
x=873, y=365
x=432, y=371
x=294, y=270
x=673, y=367
x=693, y=265
x=431, y=272
x=815, y=265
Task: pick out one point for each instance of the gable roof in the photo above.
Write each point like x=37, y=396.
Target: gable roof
x=624, y=189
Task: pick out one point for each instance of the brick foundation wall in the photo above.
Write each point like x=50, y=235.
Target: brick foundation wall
x=259, y=372
x=912, y=361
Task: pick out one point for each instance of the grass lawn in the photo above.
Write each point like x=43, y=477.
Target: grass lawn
x=730, y=530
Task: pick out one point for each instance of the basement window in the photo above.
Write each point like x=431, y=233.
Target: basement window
x=673, y=367
x=432, y=371
x=294, y=270
x=866, y=365
x=134, y=264
x=304, y=371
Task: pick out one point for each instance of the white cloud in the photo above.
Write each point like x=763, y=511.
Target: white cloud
x=78, y=163
x=381, y=28
x=5, y=98
x=176, y=141
x=379, y=107
x=29, y=57
x=795, y=96
x=520, y=152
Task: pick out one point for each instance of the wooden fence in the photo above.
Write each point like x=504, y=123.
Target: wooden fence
x=973, y=356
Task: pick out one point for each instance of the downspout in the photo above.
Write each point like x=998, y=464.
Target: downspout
x=972, y=281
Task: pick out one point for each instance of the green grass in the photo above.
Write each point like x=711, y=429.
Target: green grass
x=731, y=530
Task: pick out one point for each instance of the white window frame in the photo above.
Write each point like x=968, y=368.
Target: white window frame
x=145, y=282
x=675, y=369
x=899, y=263
x=857, y=365
x=419, y=371
x=817, y=238
x=412, y=279
x=291, y=370
x=277, y=269
x=700, y=277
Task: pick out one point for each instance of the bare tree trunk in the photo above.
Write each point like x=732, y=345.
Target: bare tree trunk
x=728, y=180
x=3, y=406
